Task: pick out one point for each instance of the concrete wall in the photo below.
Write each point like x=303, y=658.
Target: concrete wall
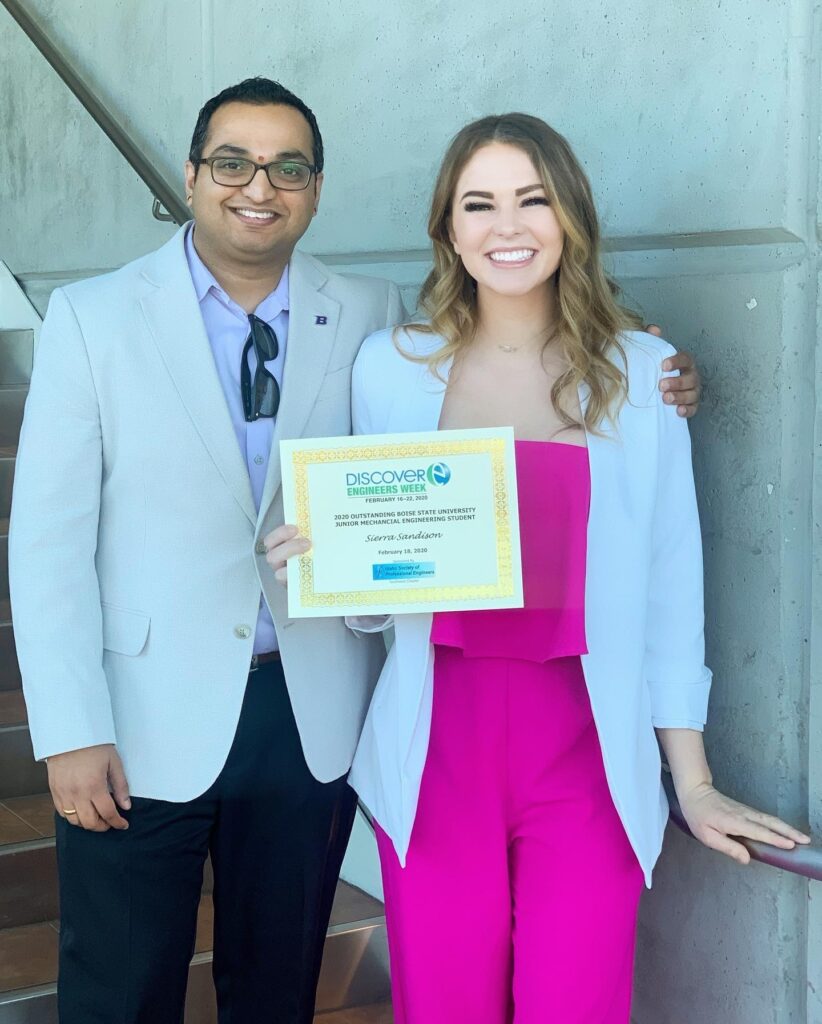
x=699, y=124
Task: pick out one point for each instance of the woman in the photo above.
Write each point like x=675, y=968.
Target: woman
x=510, y=757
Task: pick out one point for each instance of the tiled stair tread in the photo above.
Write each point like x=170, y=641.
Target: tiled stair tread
x=37, y=812
x=380, y=1013
x=352, y=904
x=13, y=829
x=28, y=954
x=12, y=707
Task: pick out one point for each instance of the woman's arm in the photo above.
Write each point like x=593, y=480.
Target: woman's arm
x=712, y=817
x=678, y=680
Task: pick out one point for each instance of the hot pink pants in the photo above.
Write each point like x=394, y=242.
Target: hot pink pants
x=519, y=899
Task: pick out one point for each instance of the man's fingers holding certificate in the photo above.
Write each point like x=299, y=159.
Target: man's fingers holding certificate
x=281, y=544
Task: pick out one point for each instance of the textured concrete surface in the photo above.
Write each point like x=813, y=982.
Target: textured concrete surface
x=699, y=124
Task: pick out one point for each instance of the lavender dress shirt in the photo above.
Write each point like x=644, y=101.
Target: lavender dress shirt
x=227, y=328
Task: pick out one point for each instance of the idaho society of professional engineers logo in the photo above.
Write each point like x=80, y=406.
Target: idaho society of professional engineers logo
x=438, y=473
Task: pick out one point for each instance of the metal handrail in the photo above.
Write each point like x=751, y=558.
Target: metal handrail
x=801, y=860
x=164, y=193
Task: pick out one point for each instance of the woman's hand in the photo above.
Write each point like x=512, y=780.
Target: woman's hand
x=714, y=819
x=281, y=544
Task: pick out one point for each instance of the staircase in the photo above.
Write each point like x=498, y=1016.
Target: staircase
x=354, y=981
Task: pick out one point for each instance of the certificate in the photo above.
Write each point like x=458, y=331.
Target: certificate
x=403, y=522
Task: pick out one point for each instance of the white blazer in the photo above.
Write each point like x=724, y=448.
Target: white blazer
x=136, y=566
x=643, y=596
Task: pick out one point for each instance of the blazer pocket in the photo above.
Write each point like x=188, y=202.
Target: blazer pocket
x=124, y=631
x=335, y=383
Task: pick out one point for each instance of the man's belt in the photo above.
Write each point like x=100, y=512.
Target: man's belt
x=263, y=659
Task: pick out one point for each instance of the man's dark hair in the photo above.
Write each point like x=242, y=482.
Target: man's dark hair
x=258, y=91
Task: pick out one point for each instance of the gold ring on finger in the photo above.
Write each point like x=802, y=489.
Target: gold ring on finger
x=69, y=810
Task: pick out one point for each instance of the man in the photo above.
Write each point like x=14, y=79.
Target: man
x=180, y=709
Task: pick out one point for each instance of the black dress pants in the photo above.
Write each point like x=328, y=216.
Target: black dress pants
x=128, y=899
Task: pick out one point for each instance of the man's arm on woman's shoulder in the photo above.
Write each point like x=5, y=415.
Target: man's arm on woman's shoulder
x=684, y=390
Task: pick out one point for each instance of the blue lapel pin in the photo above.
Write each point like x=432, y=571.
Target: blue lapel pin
x=320, y=319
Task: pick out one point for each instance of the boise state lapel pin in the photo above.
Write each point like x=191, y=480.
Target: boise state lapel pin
x=320, y=319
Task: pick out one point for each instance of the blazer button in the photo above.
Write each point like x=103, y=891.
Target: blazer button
x=260, y=549
x=242, y=632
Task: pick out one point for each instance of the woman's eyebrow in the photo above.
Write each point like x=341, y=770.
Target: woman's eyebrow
x=519, y=192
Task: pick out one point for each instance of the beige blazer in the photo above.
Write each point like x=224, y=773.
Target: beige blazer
x=135, y=555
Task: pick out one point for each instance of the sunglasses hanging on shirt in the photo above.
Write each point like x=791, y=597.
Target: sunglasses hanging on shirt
x=261, y=396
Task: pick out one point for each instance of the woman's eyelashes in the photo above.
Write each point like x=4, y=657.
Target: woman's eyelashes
x=475, y=207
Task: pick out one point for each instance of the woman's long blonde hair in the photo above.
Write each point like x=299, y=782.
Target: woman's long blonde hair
x=589, y=317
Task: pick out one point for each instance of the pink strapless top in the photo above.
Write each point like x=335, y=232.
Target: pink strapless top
x=554, y=488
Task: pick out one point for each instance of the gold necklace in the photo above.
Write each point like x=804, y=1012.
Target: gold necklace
x=508, y=348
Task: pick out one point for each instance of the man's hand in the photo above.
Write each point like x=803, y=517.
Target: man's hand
x=685, y=389
x=282, y=544
x=79, y=781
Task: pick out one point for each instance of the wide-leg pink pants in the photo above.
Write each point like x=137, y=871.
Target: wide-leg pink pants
x=518, y=902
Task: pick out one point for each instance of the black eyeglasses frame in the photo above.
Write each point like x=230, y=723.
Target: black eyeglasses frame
x=258, y=167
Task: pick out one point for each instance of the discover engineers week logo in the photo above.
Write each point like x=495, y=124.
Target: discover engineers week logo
x=397, y=481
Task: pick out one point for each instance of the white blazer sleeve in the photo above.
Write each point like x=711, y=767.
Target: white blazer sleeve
x=52, y=543
x=678, y=679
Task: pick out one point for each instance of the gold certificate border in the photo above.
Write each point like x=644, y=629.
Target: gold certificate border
x=495, y=447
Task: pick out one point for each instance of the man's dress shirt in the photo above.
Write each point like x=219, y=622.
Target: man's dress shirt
x=227, y=328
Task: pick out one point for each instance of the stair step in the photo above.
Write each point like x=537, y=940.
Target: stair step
x=378, y=1014
x=7, y=464
x=36, y=811
x=5, y=602
x=9, y=669
x=28, y=883
x=20, y=774
x=12, y=708
x=354, y=972
x=12, y=403
x=16, y=356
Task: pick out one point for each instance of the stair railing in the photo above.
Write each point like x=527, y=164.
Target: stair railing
x=168, y=204
x=801, y=860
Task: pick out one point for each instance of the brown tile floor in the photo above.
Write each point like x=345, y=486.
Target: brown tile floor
x=13, y=829
x=36, y=811
x=12, y=707
x=28, y=956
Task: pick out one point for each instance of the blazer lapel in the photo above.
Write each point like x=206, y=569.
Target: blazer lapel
x=176, y=324
x=312, y=330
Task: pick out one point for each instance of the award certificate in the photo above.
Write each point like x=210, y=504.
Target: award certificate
x=403, y=522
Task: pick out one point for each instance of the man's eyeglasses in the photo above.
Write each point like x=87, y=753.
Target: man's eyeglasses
x=261, y=397
x=291, y=175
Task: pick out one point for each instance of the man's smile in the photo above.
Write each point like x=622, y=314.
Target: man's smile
x=248, y=215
